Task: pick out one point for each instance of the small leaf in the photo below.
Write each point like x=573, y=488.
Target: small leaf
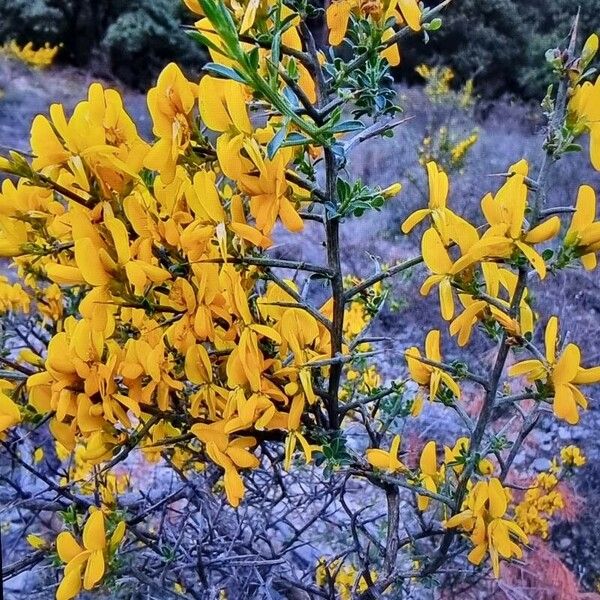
x=547, y=254
x=347, y=126
x=277, y=140
x=224, y=72
x=295, y=139
x=434, y=24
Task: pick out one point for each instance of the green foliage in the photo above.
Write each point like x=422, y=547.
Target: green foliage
x=502, y=42
x=141, y=41
x=138, y=36
x=31, y=20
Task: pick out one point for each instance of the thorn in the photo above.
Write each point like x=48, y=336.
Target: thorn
x=574, y=33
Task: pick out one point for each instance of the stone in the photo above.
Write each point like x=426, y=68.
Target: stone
x=541, y=464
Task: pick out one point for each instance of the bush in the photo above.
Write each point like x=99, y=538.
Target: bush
x=151, y=331
x=502, y=42
x=139, y=37
x=141, y=41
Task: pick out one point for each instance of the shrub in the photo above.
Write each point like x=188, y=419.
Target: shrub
x=141, y=41
x=502, y=43
x=152, y=324
x=138, y=37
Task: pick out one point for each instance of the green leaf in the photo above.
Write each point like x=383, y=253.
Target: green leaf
x=347, y=126
x=434, y=24
x=277, y=140
x=295, y=139
x=547, y=254
x=224, y=72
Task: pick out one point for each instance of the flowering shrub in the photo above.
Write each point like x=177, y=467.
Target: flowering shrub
x=40, y=58
x=152, y=315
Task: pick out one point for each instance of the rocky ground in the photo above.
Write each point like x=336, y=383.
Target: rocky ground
x=507, y=133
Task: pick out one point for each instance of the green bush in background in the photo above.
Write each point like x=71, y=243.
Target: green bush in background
x=138, y=37
x=142, y=40
x=502, y=42
x=489, y=39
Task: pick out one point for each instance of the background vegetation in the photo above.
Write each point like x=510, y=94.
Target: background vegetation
x=500, y=42
x=133, y=38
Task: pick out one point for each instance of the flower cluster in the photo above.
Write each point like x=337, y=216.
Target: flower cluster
x=40, y=58
x=543, y=500
x=485, y=520
x=346, y=578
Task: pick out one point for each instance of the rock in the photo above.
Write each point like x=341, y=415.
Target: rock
x=565, y=433
x=541, y=464
x=564, y=543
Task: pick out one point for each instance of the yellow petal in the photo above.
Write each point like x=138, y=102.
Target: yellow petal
x=70, y=586
x=544, y=231
x=567, y=366
x=94, y=570
x=587, y=376
x=411, y=13
x=446, y=299
x=414, y=219
x=497, y=498
x=428, y=460
x=525, y=367
x=89, y=263
x=118, y=232
x=435, y=254
x=94, y=535
x=234, y=487
x=380, y=459
x=477, y=554
x=534, y=258
x=67, y=547
x=565, y=406
x=338, y=14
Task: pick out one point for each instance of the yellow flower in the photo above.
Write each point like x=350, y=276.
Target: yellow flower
x=290, y=447
x=386, y=461
x=562, y=373
x=428, y=375
x=443, y=269
x=230, y=454
x=86, y=565
x=223, y=105
x=346, y=578
x=584, y=109
x=483, y=517
x=456, y=456
x=430, y=475
x=339, y=11
x=37, y=542
x=572, y=456
x=170, y=104
x=584, y=231
x=268, y=188
x=403, y=11
x=480, y=310
x=41, y=58
x=10, y=415
x=440, y=215
x=506, y=215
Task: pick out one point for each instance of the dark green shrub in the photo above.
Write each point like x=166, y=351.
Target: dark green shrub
x=31, y=21
x=141, y=41
x=502, y=42
x=139, y=36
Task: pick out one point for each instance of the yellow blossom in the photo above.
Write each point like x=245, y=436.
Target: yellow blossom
x=562, y=373
x=483, y=518
x=386, y=461
x=86, y=564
